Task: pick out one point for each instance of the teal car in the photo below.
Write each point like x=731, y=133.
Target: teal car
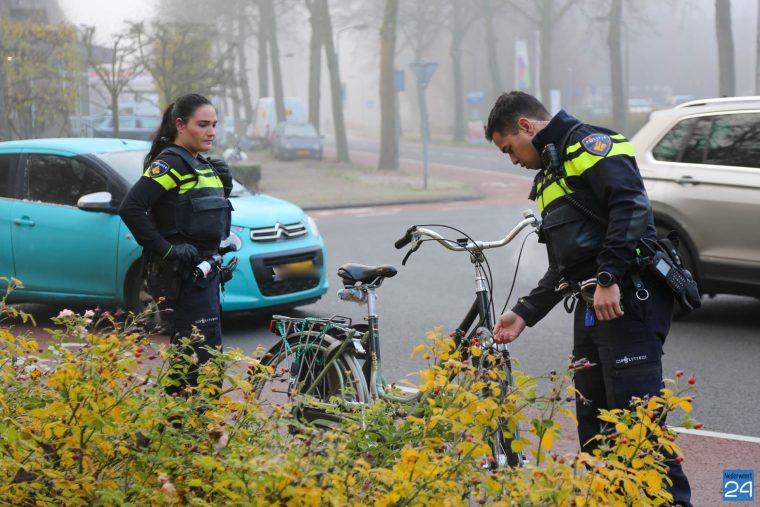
x=60, y=233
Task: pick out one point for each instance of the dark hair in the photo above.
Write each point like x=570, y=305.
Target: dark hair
x=182, y=108
x=509, y=108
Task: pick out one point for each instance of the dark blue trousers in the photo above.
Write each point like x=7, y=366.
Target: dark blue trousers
x=627, y=357
x=197, y=305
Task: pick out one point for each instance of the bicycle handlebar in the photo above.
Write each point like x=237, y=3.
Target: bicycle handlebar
x=415, y=233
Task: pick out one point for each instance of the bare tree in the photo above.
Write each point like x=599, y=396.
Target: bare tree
x=119, y=67
x=316, y=43
x=269, y=20
x=388, y=142
x=460, y=22
x=336, y=92
x=545, y=15
x=493, y=60
x=180, y=58
x=757, y=54
x=726, y=69
x=619, y=92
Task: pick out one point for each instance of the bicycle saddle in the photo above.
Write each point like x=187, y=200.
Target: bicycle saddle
x=352, y=273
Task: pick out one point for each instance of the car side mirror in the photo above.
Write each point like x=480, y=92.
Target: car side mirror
x=97, y=201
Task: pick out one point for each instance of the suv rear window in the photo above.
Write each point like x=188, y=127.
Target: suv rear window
x=729, y=139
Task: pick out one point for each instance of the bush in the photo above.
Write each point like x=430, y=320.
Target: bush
x=89, y=424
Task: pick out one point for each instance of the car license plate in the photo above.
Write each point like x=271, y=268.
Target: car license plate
x=294, y=270
x=303, y=152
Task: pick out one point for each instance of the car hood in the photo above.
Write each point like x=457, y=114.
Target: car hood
x=263, y=211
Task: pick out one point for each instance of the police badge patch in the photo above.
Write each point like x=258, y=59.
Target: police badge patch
x=157, y=168
x=597, y=144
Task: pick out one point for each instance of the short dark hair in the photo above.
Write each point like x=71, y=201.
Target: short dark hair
x=509, y=108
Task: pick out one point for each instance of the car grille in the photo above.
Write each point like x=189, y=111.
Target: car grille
x=263, y=270
x=279, y=232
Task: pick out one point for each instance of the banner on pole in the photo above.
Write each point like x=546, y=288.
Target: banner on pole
x=522, y=65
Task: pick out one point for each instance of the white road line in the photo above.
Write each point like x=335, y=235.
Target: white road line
x=715, y=434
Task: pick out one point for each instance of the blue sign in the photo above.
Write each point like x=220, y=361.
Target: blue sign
x=399, y=80
x=476, y=98
x=738, y=485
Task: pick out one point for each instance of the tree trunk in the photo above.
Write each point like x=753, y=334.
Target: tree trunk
x=545, y=61
x=270, y=19
x=115, y=114
x=457, y=36
x=3, y=112
x=263, y=37
x=619, y=93
x=245, y=89
x=727, y=80
x=341, y=142
x=757, y=54
x=315, y=63
x=493, y=60
x=388, y=141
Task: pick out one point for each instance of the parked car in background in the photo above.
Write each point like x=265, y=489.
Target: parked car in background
x=295, y=140
x=60, y=233
x=701, y=167
x=265, y=118
x=130, y=127
x=639, y=106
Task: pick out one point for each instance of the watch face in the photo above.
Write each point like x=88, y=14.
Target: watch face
x=604, y=279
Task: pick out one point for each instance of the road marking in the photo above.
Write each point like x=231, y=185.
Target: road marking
x=715, y=434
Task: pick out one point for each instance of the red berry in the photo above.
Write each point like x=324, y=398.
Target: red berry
x=139, y=361
x=587, y=365
x=482, y=462
x=679, y=459
x=468, y=439
x=691, y=380
x=679, y=373
x=697, y=426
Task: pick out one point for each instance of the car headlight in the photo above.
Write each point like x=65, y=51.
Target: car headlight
x=312, y=226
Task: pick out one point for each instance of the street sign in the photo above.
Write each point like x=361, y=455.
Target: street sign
x=476, y=98
x=399, y=80
x=423, y=71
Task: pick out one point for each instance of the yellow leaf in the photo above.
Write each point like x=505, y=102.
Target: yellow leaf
x=580, y=501
x=620, y=427
x=517, y=446
x=685, y=405
x=475, y=351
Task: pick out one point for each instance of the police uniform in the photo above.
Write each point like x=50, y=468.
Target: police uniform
x=181, y=199
x=595, y=212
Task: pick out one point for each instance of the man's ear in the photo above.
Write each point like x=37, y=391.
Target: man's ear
x=525, y=125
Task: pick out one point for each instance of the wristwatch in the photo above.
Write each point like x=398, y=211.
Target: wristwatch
x=605, y=279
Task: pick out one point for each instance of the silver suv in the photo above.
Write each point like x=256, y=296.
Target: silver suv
x=701, y=167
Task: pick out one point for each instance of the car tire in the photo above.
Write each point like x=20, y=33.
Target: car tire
x=687, y=258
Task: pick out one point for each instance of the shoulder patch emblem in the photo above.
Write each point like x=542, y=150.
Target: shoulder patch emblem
x=597, y=144
x=158, y=168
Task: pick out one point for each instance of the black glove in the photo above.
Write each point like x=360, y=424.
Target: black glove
x=184, y=252
x=224, y=173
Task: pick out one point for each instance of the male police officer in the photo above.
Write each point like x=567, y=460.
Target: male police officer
x=595, y=213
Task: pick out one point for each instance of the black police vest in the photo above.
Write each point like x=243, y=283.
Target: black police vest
x=571, y=226
x=201, y=213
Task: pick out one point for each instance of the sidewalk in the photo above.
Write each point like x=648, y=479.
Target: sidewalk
x=326, y=184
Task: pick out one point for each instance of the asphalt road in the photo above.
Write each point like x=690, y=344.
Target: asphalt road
x=719, y=345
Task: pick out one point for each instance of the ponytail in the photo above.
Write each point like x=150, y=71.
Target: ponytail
x=183, y=108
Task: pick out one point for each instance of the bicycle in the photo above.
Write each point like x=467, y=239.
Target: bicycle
x=320, y=357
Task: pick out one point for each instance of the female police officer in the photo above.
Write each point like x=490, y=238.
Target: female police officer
x=178, y=212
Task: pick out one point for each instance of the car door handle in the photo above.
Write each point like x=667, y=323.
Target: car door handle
x=24, y=221
x=687, y=181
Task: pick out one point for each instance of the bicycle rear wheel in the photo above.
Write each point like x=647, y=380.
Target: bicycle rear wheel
x=305, y=363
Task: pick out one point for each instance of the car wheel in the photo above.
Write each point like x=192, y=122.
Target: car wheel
x=687, y=258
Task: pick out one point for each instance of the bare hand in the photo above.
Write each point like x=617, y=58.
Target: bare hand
x=607, y=302
x=508, y=327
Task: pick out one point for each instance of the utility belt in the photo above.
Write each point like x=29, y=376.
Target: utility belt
x=164, y=277
x=661, y=262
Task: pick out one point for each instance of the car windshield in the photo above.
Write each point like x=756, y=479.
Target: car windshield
x=306, y=130
x=129, y=165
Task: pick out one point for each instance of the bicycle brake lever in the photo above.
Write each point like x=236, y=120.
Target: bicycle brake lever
x=414, y=248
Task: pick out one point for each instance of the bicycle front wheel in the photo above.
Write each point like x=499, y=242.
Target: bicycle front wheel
x=306, y=363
